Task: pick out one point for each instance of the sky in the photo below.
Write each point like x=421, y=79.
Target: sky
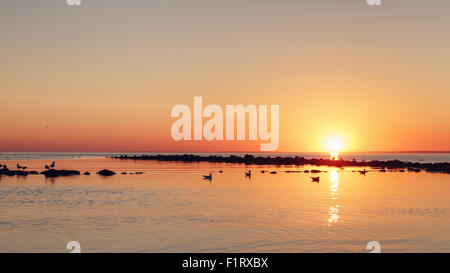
x=104, y=76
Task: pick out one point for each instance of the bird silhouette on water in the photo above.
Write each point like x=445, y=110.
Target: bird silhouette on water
x=208, y=177
x=315, y=179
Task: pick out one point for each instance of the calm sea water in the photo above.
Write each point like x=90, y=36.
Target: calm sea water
x=412, y=157
x=170, y=208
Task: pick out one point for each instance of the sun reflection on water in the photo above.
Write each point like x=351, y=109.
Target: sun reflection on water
x=333, y=210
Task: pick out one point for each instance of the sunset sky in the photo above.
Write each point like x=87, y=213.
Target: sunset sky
x=103, y=77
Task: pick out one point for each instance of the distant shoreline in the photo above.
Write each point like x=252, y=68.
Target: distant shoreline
x=442, y=167
x=231, y=152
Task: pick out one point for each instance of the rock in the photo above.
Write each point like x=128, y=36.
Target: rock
x=13, y=173
x=21, y=173
x=57, y=173
x=33, y=172
x=87, y=173
x=106, y=172
x=315, y=171
x=123, y=172
x=274, y=172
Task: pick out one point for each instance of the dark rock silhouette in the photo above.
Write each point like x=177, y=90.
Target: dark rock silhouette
x=106, y=172
x=87, y=173
x=443, y=167
x=57, y=173
x=13, y=172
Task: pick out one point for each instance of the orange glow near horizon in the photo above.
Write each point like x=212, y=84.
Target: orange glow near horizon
x=106, y=81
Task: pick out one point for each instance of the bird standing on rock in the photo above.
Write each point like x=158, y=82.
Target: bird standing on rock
x=52, y=165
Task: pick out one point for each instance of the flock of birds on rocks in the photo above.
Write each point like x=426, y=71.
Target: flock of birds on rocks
x=23, y=168
x=50, y=171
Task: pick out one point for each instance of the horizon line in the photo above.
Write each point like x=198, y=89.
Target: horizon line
x=241, y=152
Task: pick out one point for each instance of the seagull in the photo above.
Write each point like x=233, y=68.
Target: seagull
x=47, y=167
x=53, y=164
x=208, y=177
x=315, y=179
x=21, y=167
x=248, y=174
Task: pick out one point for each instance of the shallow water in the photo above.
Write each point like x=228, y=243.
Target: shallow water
x=170, y=208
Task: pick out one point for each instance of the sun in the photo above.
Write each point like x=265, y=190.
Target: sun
x=334, y=144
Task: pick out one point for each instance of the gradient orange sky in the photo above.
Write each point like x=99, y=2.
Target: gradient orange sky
x=103, y=77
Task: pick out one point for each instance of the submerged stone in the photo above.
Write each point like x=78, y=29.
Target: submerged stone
x=57, y=173
x=106, y=172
